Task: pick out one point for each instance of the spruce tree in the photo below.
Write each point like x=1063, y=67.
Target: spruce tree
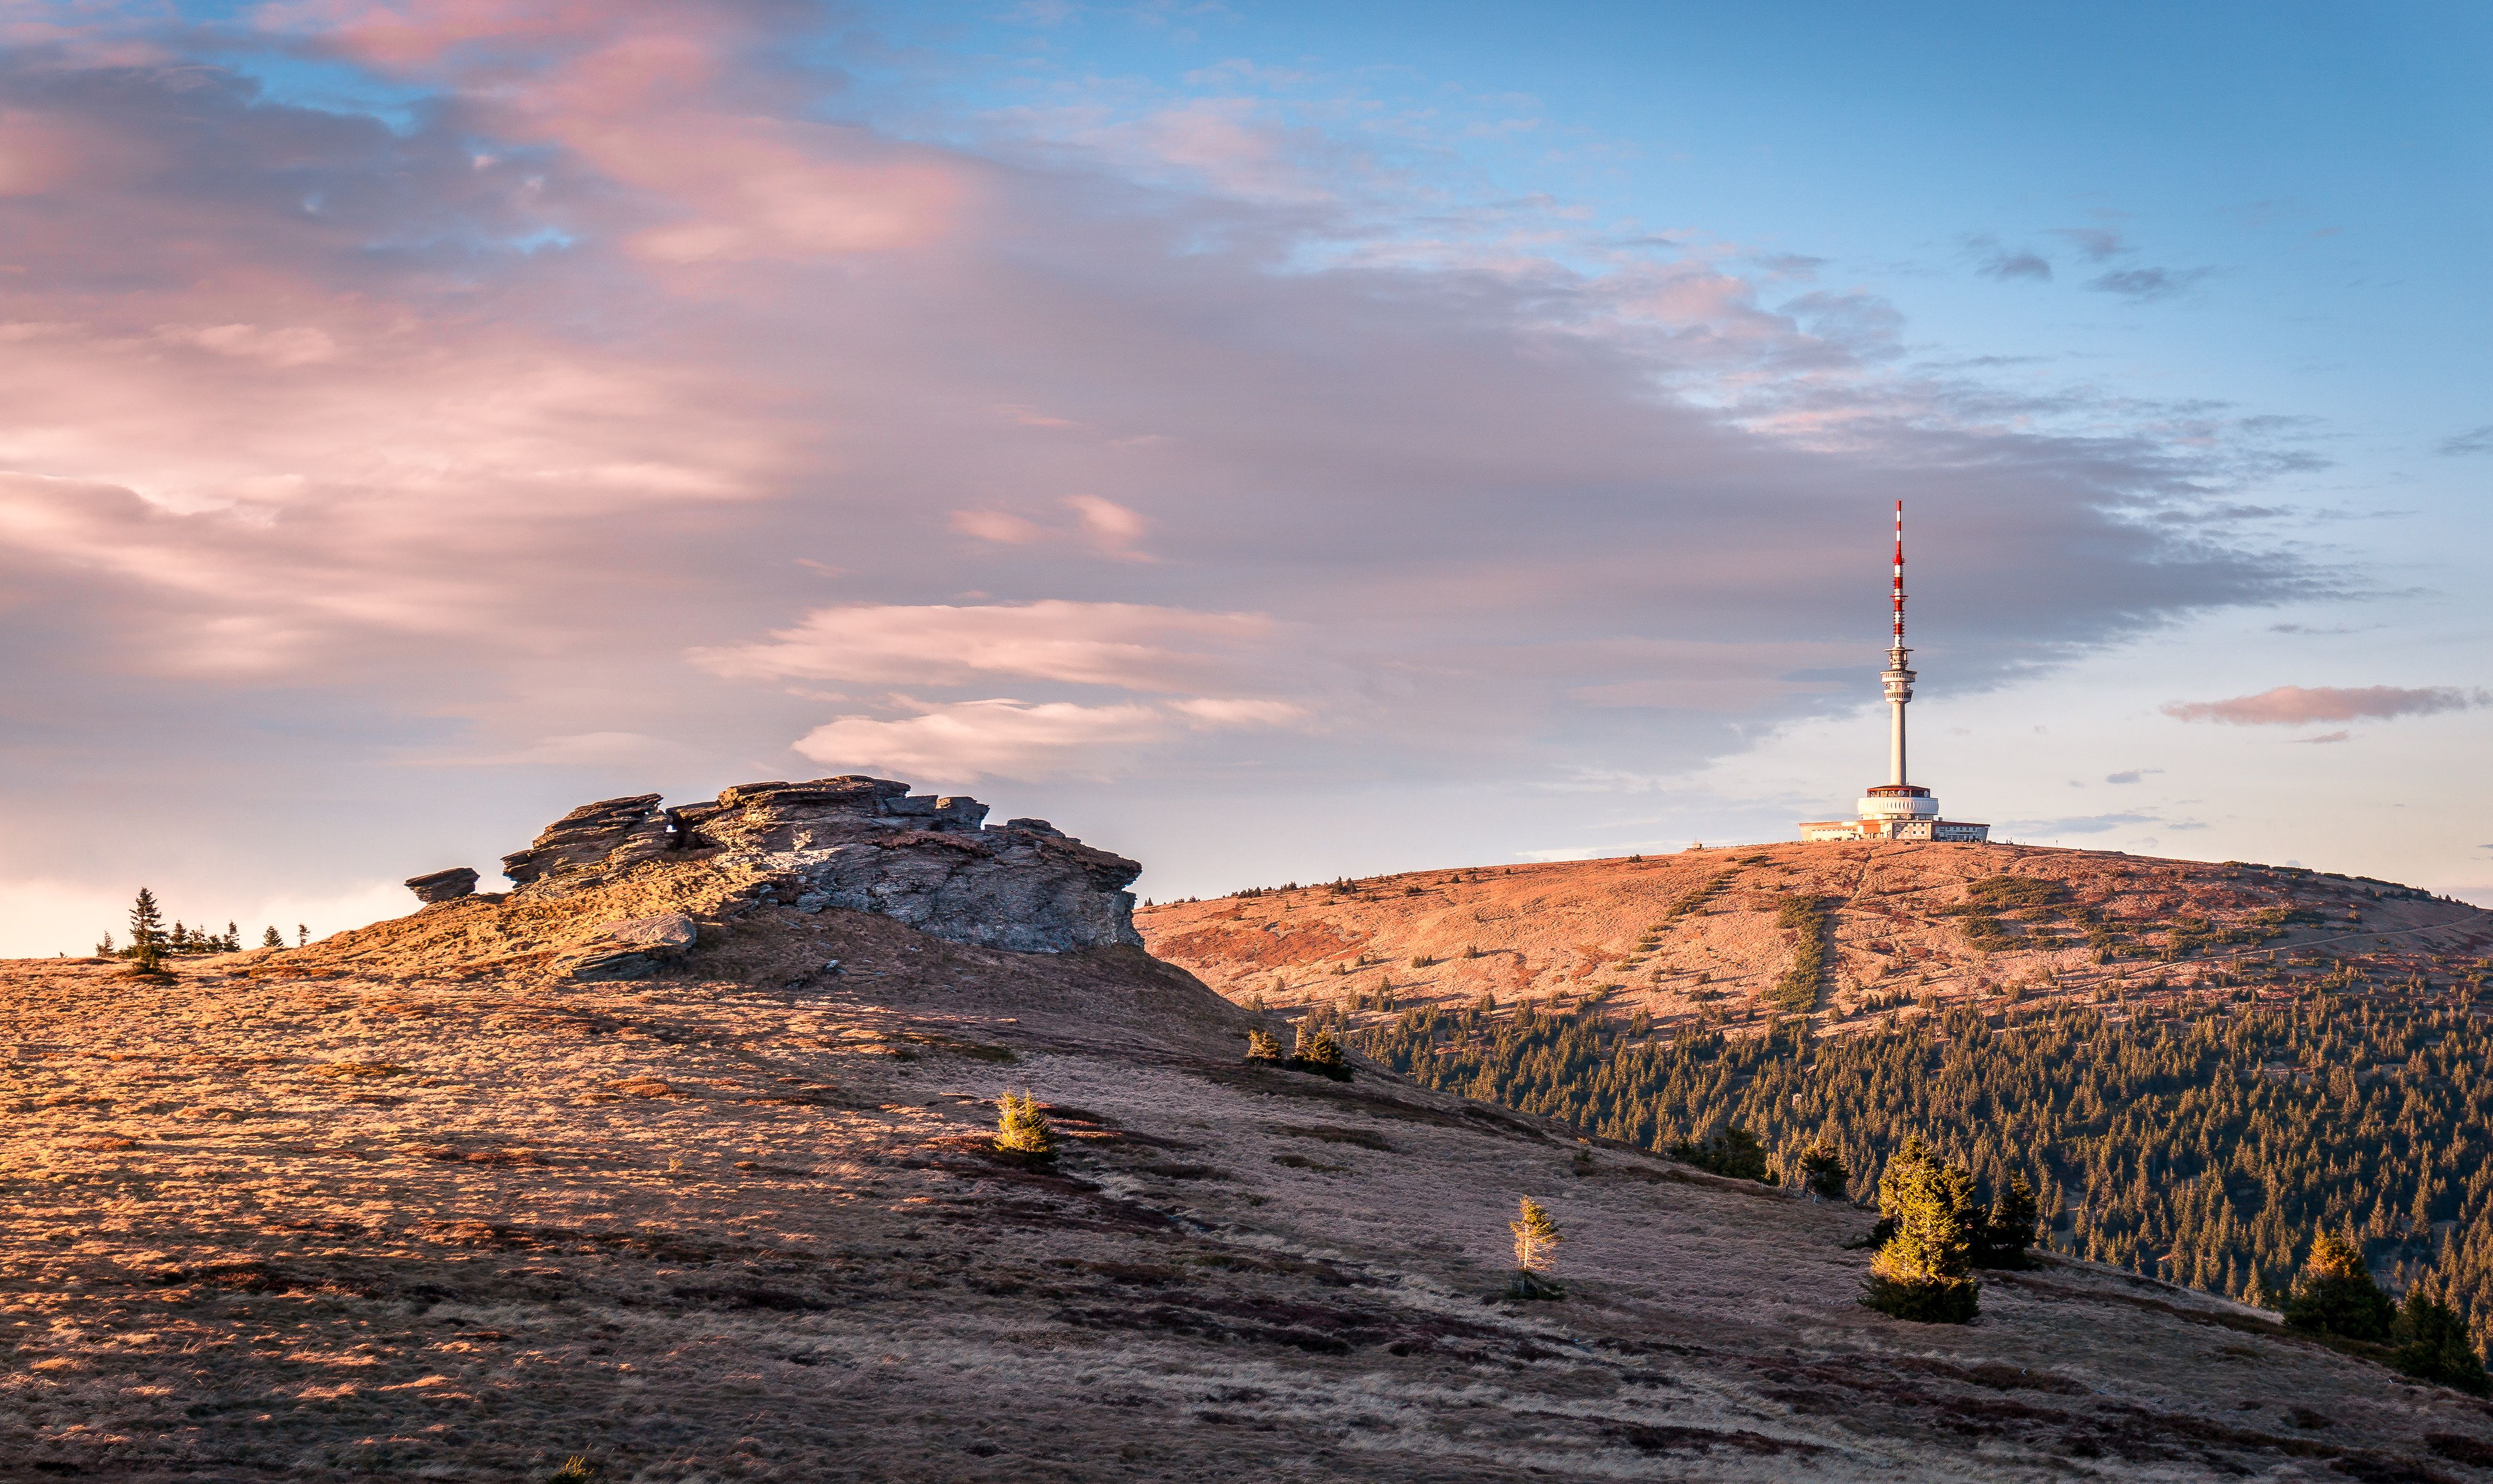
x=2336, y=1295
x=1735, y=1152
x=1924, y=1272
x=1822, y=1173
x=302, y=934
x=104, y=949
x=1536, y=1241
x=1022, y=1130
x=233, y=938
x=2009, y=1230
x=1261, y=1046
x=146, y=931
x=271, y=939
x=2434, y=1346
x=1320, y=1050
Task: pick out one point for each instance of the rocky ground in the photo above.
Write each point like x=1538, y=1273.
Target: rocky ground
x=423, y=1201
x=1694, y=937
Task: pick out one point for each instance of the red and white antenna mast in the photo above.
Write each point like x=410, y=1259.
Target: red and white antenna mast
x=1896, y=679
x=1900, y=575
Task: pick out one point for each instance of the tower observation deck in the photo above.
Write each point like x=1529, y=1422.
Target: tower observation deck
x=1897, y=808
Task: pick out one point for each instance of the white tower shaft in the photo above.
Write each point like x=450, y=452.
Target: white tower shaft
x=1897, y=679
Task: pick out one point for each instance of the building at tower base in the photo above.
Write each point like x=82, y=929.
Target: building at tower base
x=1876, y=823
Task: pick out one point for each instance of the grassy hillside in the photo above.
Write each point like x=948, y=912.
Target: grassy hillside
x=418, y=1202
x=2196, y=1066
x=1707, y=939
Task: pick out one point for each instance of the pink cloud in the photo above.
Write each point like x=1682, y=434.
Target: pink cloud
x=1104, y=526
x=999, y=526
x=1213, y=711
x=992, y=740
x=1002, y=738
x=1132, y=646
x=609, y=392
x=420, y=33
x=2294, y=705
x=1111, y=526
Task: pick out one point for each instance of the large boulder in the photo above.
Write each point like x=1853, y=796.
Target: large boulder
x=443, y=885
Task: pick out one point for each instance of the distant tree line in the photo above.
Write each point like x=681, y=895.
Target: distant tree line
x=2209, y=1150
x=152, y=941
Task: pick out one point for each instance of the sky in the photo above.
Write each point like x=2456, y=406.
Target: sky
x=1273, y=441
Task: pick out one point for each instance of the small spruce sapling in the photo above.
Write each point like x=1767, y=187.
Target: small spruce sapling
x=1536, y=1243
x=2336, y=1295
x=1262, y=1046
x=1022, y=1130
x=104, y=949
x=2433, y=1346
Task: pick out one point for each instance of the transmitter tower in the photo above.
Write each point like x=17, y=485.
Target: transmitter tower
x=1897, y=809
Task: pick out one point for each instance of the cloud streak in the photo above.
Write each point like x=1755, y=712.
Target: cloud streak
x=2295, y=705
x=2149, y=286
x=2475, y=440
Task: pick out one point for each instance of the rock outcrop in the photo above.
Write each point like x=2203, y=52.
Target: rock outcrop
x=634, y=948
x=594, y=834
x=866, y=845
x=443, y=885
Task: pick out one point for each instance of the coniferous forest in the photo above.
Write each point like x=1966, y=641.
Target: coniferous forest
x=2207, y=1145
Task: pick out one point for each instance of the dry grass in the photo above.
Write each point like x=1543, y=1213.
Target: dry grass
x=1695, y=936
x=372, y=1210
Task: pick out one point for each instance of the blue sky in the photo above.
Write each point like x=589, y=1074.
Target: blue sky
x=1271, y=440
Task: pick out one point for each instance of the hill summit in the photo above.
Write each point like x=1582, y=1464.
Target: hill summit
x=1848, y=933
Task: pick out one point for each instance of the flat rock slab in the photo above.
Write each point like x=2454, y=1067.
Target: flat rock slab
x=443, y=885
x=633, y=948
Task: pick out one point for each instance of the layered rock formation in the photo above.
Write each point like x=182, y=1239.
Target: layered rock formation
x=864, y=844
x=443, y=885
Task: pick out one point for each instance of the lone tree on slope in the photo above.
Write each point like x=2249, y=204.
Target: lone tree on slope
x=146, y=931
x=1536, y=1243
x=1924, y=1273
x=1021, y=1129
